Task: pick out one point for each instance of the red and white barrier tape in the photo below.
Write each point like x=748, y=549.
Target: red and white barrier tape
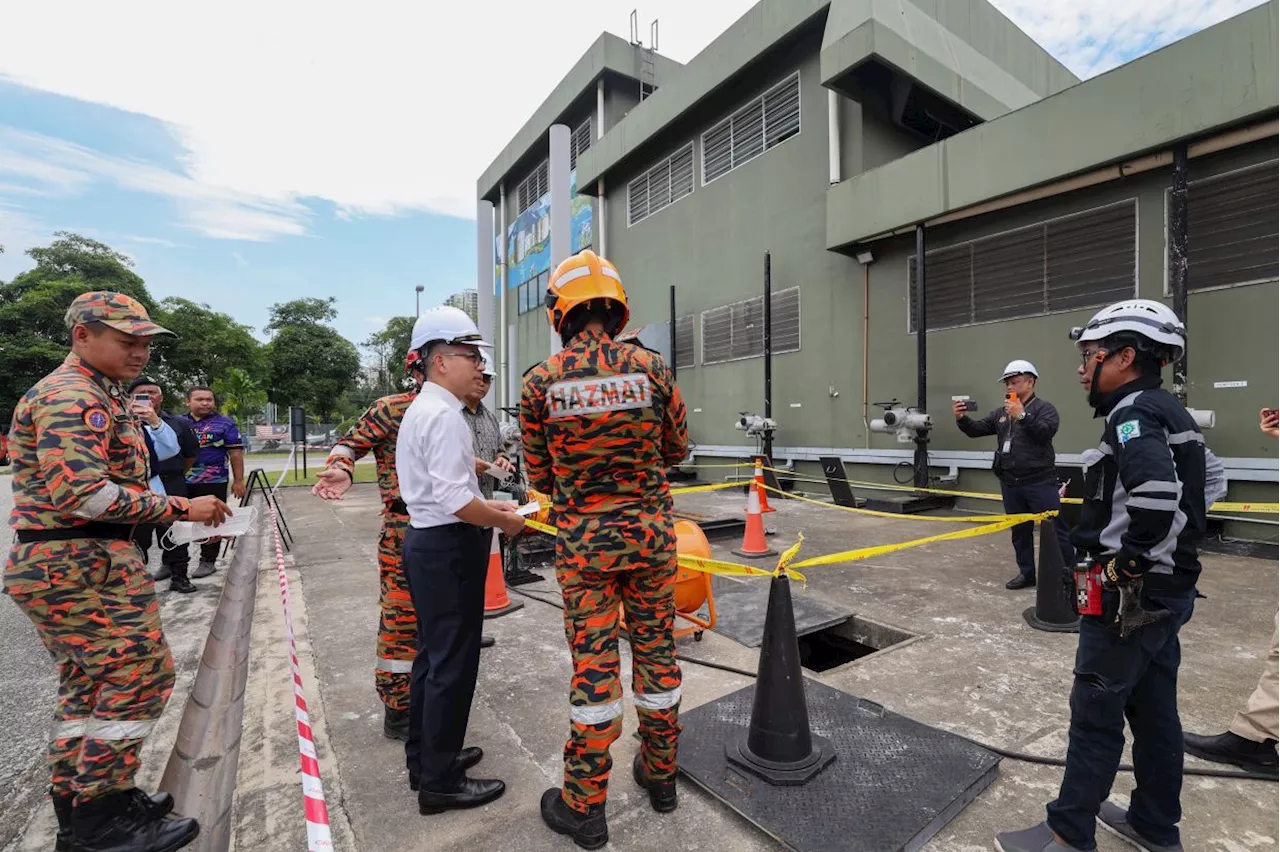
x=317, y=812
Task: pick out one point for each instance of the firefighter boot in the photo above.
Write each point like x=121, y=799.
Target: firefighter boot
x=662, y=794
x=395, y=724
x=62, y=810
x=116, y=822
x=589, y=830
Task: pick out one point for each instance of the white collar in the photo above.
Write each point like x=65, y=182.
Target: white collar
x=443, y=394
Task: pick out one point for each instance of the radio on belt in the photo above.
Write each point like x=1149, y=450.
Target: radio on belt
x=1088, y=576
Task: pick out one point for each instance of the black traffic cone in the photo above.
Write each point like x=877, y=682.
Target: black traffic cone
x=1053, y=610
x=778, y=746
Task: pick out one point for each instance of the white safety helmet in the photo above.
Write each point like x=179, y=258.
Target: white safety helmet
x=448, y=324
x=487, y=367
x=1153, y=320
x=1017, y=368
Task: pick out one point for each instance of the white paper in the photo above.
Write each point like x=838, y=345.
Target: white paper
x=529, y=509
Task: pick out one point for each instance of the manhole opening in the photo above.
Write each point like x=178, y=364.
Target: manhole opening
x=848, y=641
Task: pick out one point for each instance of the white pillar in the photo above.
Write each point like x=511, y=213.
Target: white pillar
x=513, y=371
x=504, y=362
x=558, y=176
x=484, y=283
x=833, y=136
x=601, y=247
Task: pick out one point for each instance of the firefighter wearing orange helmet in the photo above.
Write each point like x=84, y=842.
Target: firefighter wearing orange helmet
x=601, y=423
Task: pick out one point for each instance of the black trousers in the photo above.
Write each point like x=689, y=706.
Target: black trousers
x=209, y=550
x=1035, y=497
x=445, y=567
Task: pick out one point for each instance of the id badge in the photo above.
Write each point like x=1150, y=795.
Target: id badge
x=1007, y=446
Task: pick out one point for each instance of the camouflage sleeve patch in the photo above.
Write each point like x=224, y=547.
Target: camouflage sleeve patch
x=532, y=404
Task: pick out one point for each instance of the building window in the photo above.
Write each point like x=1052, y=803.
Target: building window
x=532, y=188
x=752, y=129
x=529, y=295
x=664, y=184
x=685, y=355
x=1077, y=261
x=734, y=332
x=1231, y=228
x=579, y=141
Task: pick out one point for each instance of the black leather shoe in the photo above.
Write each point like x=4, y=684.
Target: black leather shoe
x=117, y=823
x=183, y=585
x=662, y=794
x=487, y=642
x=395, y=724
x=1022, y=581
x=589, y=830
x=1231, y=748
x=470, y=793
x=467, y=758
x=155, y=807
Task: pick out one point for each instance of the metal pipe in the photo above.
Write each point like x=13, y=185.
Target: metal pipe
x=673, y=330
x=505, y=362
x=866, y=353
x=1118, y=171
x=600, y=194
x=604, y=230
x=1178, y=260
x=768, y=354
x=833, y=136
x=484, y=280
x=922, y=363
x=558, y=177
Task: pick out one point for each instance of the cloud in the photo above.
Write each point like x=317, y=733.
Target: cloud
x=58, y=167
x=152, y=241
x=1094, y=36
x=239, y=258
x=19, y=231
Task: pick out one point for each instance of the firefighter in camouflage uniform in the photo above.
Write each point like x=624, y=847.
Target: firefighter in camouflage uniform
x=602, y=422
x=376, y=432
x=79, y=488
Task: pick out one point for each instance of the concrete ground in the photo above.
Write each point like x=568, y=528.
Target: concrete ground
x=978, y=671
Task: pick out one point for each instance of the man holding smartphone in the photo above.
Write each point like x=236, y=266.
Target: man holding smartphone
x=1250, y=742
x=1024, y=462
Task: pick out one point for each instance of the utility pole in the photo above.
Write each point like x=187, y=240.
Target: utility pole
x=417, y=301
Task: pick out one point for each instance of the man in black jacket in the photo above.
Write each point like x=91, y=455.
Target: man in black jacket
x=1142, y=520
x=1024, y=426
x=173, y=475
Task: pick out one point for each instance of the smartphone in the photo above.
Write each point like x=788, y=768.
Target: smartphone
x=143, y=398
x=969, y=404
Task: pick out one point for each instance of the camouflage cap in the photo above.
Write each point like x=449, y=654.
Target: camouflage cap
x=121, y=312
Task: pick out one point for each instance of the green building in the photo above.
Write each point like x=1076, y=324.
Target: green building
x=824, y=133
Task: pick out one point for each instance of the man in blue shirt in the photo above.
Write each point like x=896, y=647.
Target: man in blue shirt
x=172, y=446
x=220, y=462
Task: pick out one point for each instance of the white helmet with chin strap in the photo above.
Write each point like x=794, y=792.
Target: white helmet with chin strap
x=1142, y=317
x=1019, y=367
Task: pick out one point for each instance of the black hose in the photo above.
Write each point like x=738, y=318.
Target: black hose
x=1003, y=752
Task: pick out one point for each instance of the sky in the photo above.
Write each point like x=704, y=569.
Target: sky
x=278, y=150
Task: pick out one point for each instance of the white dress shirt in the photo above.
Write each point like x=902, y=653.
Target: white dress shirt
x=435, y=459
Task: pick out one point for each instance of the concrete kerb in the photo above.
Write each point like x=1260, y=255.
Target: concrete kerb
x=202, y=768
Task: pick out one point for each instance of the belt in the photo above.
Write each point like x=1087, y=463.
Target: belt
x=397, y=507
x=94, y=529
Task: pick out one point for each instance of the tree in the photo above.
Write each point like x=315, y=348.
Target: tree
x=33, y=334
x=310, y=364
x=210, y=345
x=240, y=397
x=388, y=348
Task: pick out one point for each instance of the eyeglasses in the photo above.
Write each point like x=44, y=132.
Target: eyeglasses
x=473, y=356
x=1089, y=355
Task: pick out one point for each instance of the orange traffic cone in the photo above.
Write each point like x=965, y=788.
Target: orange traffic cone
x=496, y=600
x=753, y=543
x=764, y=492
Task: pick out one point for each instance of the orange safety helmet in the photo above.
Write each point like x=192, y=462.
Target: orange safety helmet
x=579, y=279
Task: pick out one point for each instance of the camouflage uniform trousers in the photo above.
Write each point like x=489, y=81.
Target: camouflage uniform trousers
x=93, y=604
x=397, y=620
x=592, y=597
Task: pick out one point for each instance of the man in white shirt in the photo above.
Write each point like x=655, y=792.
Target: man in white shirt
x=446, y=550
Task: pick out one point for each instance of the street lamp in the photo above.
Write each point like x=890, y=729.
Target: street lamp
x=417, y=300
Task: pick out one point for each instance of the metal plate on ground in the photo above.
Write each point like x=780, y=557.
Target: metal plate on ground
x=740, y=609
x=895, y=783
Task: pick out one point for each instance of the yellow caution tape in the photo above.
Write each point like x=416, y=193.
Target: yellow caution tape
x=881, y=549
x=698, y=489
x=962, y=519
x=1260, y=508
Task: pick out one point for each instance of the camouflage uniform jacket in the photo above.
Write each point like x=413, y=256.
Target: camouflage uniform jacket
x=79, y=457
x=375, y=431
x=601, y=422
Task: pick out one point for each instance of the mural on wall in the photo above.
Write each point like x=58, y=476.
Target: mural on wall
x=529, y=237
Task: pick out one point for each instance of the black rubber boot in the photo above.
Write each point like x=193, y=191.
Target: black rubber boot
x=662, y=794
x=395, y=724
x=62, y=810
x=589, y=830
x=117, y=823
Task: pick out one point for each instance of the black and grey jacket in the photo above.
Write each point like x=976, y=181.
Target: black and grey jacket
x=1148, y=487
x=1024, y=448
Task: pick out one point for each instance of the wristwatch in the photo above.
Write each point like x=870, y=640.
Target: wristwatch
x=1022, y=415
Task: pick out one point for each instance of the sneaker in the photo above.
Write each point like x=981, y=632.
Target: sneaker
x=1037, y=839
x=204, y=569
x=1232, y=748
x=589, y=830
x=1115, y=820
